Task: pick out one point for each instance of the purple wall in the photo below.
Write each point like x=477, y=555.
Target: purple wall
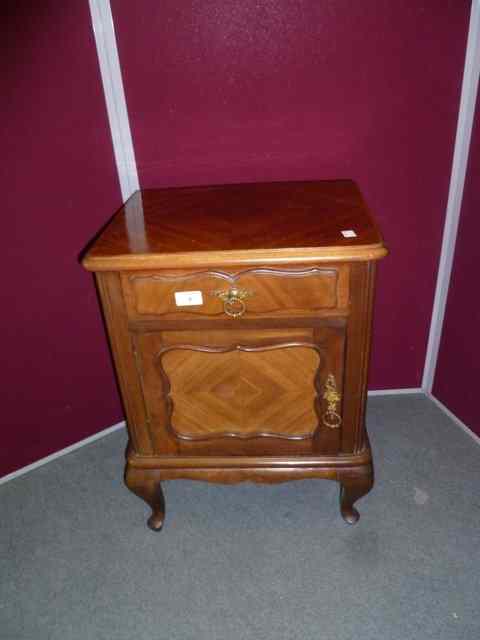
x=230, y=91
x=457, y=376
x=58, y=184
x=224, y=91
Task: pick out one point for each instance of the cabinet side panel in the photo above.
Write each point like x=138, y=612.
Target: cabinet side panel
x=362, y=277
x=123, y=355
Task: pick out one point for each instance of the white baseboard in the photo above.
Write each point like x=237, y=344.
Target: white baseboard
x=390, y=392
x=62, y=452
x=453, y=417
x=121, y=425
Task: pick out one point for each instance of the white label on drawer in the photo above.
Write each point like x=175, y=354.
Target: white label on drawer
x=188, y=298
x=349, y=233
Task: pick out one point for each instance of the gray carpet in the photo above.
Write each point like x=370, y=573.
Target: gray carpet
x=249, y=561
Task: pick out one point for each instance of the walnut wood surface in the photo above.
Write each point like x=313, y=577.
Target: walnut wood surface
x=355, y=478
x=359, y=327
x=221, y=399
x=342, y=461
x=146, y=485
x=120, y=342
x=238, y=224
x=221, y=386
x=242, y=391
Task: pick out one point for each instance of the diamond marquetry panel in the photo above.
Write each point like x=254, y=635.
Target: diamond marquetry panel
x=245, y=392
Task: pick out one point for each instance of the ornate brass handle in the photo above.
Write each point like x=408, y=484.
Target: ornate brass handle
x=233, y=300
x=331, y=418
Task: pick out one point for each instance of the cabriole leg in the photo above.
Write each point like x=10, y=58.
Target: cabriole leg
x=352, y=489
x=145, y=483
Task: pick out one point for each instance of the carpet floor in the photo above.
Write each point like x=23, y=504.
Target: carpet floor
x=251, y=561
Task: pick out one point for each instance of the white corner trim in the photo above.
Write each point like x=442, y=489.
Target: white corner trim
x=455, y=194
x=62, y=452
x=391, y=392
x=104, y=31
x=454, y=418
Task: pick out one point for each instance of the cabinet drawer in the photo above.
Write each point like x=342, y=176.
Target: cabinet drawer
x=252, y=292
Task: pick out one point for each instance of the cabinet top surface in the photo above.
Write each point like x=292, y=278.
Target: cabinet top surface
x=279, y=222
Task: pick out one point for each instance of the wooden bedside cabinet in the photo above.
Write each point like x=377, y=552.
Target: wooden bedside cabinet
x=239, y=319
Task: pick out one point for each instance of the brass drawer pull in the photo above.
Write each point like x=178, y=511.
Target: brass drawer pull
x=233, y=300
x=331, y=418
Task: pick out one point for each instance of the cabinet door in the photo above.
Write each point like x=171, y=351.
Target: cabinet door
x=243, y=391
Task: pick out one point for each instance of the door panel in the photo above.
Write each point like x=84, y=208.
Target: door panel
x=242, y=391
x=257, y=386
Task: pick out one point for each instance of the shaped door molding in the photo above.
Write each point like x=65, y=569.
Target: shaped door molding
x=236, y=391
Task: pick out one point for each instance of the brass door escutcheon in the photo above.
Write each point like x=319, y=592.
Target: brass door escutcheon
x=331, y=418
